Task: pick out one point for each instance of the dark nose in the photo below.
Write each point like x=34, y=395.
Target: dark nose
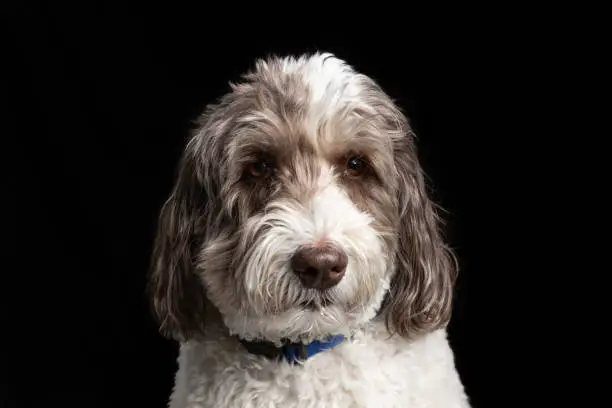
x=319, y=267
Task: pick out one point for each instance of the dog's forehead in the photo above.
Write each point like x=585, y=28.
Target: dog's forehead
x=312, y=103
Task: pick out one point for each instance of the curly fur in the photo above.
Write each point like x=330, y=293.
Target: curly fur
x=221, y=262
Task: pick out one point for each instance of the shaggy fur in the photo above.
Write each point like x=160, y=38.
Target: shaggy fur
x=305, y=153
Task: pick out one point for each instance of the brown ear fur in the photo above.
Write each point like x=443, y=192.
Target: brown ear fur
x=420, y=298
x=177, y=295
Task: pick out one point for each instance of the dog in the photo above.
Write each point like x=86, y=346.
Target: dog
x=299, y=260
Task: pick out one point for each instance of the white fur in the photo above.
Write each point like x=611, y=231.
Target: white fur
x=370, y=370
x=327, y=77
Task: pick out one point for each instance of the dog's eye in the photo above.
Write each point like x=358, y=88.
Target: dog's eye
x=260, y=169
x=355, y=166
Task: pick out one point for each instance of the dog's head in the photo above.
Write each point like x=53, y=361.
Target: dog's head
x=300, y=210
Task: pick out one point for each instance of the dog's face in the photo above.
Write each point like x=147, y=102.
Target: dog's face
x=300, y=211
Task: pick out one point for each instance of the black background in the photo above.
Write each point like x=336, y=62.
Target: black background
x=99, y=101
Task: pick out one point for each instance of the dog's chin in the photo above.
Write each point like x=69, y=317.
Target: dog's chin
x=300, y=323
x=306, y=321
x=315, y=304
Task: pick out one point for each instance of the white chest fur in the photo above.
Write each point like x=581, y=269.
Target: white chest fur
x=370, y=370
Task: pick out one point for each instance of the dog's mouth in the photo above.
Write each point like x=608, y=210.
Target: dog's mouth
x=317, y=304
x=310, y=305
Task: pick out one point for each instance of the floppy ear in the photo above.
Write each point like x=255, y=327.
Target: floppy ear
x=420, y=297
x=177, y=295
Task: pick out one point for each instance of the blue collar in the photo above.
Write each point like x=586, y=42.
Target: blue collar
x=292, y=352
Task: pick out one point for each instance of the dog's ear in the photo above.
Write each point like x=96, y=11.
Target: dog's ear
x=178, y=298
x=420, y=297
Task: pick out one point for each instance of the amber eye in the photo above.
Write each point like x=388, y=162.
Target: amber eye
x=355, y=166
x=260, y=169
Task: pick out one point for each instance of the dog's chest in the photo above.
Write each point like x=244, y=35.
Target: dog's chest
x=364, y=372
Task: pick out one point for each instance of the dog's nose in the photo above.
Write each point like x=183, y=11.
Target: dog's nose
x=319, y=267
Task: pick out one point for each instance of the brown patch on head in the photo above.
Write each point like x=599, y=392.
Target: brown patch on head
x=264, y=167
